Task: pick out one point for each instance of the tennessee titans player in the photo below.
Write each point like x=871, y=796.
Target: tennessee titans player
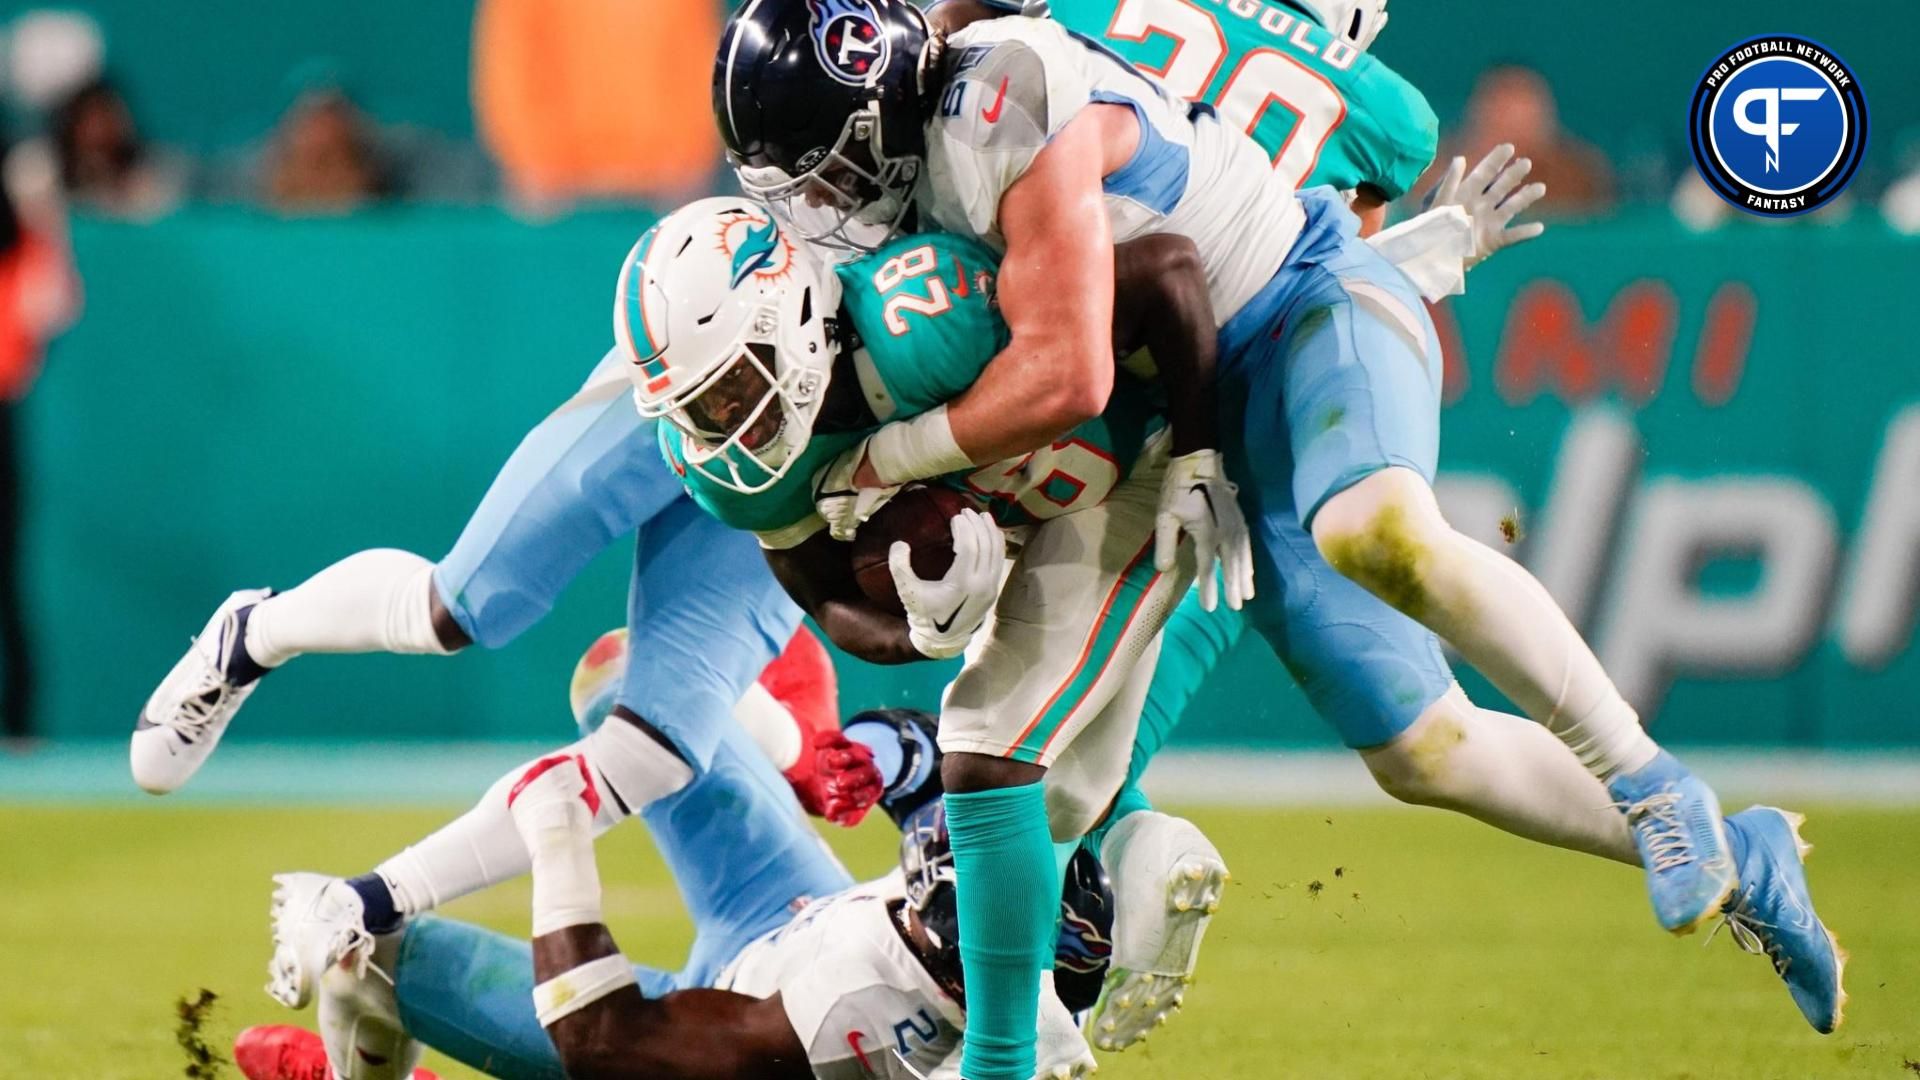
x=850, y=114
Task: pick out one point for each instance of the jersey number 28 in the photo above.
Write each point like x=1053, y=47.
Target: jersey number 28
x=1264, y=80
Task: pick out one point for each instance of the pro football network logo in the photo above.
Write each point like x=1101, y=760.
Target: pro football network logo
x=847, y=39
x=1778, y=125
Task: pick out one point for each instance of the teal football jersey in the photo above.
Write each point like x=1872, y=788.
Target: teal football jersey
x=923, y=308
x=1326, y=112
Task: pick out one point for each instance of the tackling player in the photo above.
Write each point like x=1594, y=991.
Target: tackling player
x=847, y=112
x=815, y=976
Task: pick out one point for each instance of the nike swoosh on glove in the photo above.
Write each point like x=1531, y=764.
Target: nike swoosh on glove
x=1197, y=500
x=838, y=502
x=942, y=614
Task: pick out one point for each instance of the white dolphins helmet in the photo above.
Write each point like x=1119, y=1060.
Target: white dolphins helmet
x=725, y=325
x=1357, y=21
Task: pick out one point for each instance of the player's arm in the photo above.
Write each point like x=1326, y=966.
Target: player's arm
x=818, y=574
x=686, y=1035
x=585, y=995
x=1370, y=205
x=1056, y=294
x=1161, y=304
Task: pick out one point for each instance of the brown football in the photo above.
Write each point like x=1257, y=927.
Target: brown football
x=921, y=516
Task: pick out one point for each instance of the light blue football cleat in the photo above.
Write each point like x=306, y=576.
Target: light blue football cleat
x=1772, y=913
x=1675, y=821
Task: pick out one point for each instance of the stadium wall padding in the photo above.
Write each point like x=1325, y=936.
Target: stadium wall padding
x=1709, y=444
x=213, y=76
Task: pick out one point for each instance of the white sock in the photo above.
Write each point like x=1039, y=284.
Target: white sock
x=1504, y=770
x=1493, y=613
x=482, y=847
x=370, y=601
x=771, y=724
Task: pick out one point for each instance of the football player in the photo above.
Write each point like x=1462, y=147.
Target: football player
x=587, y=475
x=850, y=115
x=767, y=364
x=795, y=970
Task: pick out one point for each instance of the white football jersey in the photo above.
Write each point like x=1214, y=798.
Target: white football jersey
x=852, y=987
x=1014, y=82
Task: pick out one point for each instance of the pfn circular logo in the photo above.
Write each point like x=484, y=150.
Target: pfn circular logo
x=1778, y=125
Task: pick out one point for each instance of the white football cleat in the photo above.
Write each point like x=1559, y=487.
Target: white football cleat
x=1168, y=879
x=318, y=922
x=359, y=1020
x=189, y=711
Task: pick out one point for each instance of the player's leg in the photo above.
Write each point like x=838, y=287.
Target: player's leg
x=1083, y=602
x=1360, y=373
x=1167, y=876
x=582, y=478
x=695, y=642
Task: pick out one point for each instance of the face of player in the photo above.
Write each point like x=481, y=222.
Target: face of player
x=741, y=397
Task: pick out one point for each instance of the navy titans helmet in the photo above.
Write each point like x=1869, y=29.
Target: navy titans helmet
x=823, y=107
x=1084, y=948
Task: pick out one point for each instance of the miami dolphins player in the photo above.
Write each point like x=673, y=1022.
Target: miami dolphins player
x=850, y=115
x=767, y=366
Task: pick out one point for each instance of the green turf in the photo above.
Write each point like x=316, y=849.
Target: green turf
x=1362, y=944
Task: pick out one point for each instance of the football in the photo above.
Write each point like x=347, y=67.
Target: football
x=920, y=516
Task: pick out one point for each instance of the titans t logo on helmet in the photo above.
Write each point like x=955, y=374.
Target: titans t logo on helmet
x=847, y=39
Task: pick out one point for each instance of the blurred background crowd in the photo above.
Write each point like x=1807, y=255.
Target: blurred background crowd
x=246, y=230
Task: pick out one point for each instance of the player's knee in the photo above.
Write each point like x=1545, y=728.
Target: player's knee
x=1417, y=766
x=961, y=773
x=1072, y=814
x=1381, y=533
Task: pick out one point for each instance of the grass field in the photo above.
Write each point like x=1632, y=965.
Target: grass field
x=1353, y=944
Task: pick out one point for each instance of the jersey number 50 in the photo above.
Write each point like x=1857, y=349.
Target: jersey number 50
x=1264, y=80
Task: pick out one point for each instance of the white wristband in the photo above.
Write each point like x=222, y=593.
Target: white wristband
x=916, y=449
x=568, y=993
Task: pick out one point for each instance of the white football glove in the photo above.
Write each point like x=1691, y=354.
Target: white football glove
x=943, y=614
x=841, y=505
x=1197, y=499
x=1492, y=195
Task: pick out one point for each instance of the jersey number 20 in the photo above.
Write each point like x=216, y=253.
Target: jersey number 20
x=1264, y=80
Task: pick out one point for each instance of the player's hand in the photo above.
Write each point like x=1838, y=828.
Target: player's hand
x=840, y=501
x=943, y=614
x=557, y=792
x=1492, y=194
x=835, y=778
x=1197, y=500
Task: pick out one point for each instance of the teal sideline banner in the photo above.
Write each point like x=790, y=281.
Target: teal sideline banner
x=1707, y=445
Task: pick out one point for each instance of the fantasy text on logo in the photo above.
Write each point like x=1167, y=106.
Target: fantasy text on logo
x=1778, y=125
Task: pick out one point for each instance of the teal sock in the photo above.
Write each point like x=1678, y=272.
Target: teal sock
x=1193, y=644
x=1009, y=898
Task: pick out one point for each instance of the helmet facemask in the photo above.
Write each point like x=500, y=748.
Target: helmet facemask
x=749, y=420
x=852, y=197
